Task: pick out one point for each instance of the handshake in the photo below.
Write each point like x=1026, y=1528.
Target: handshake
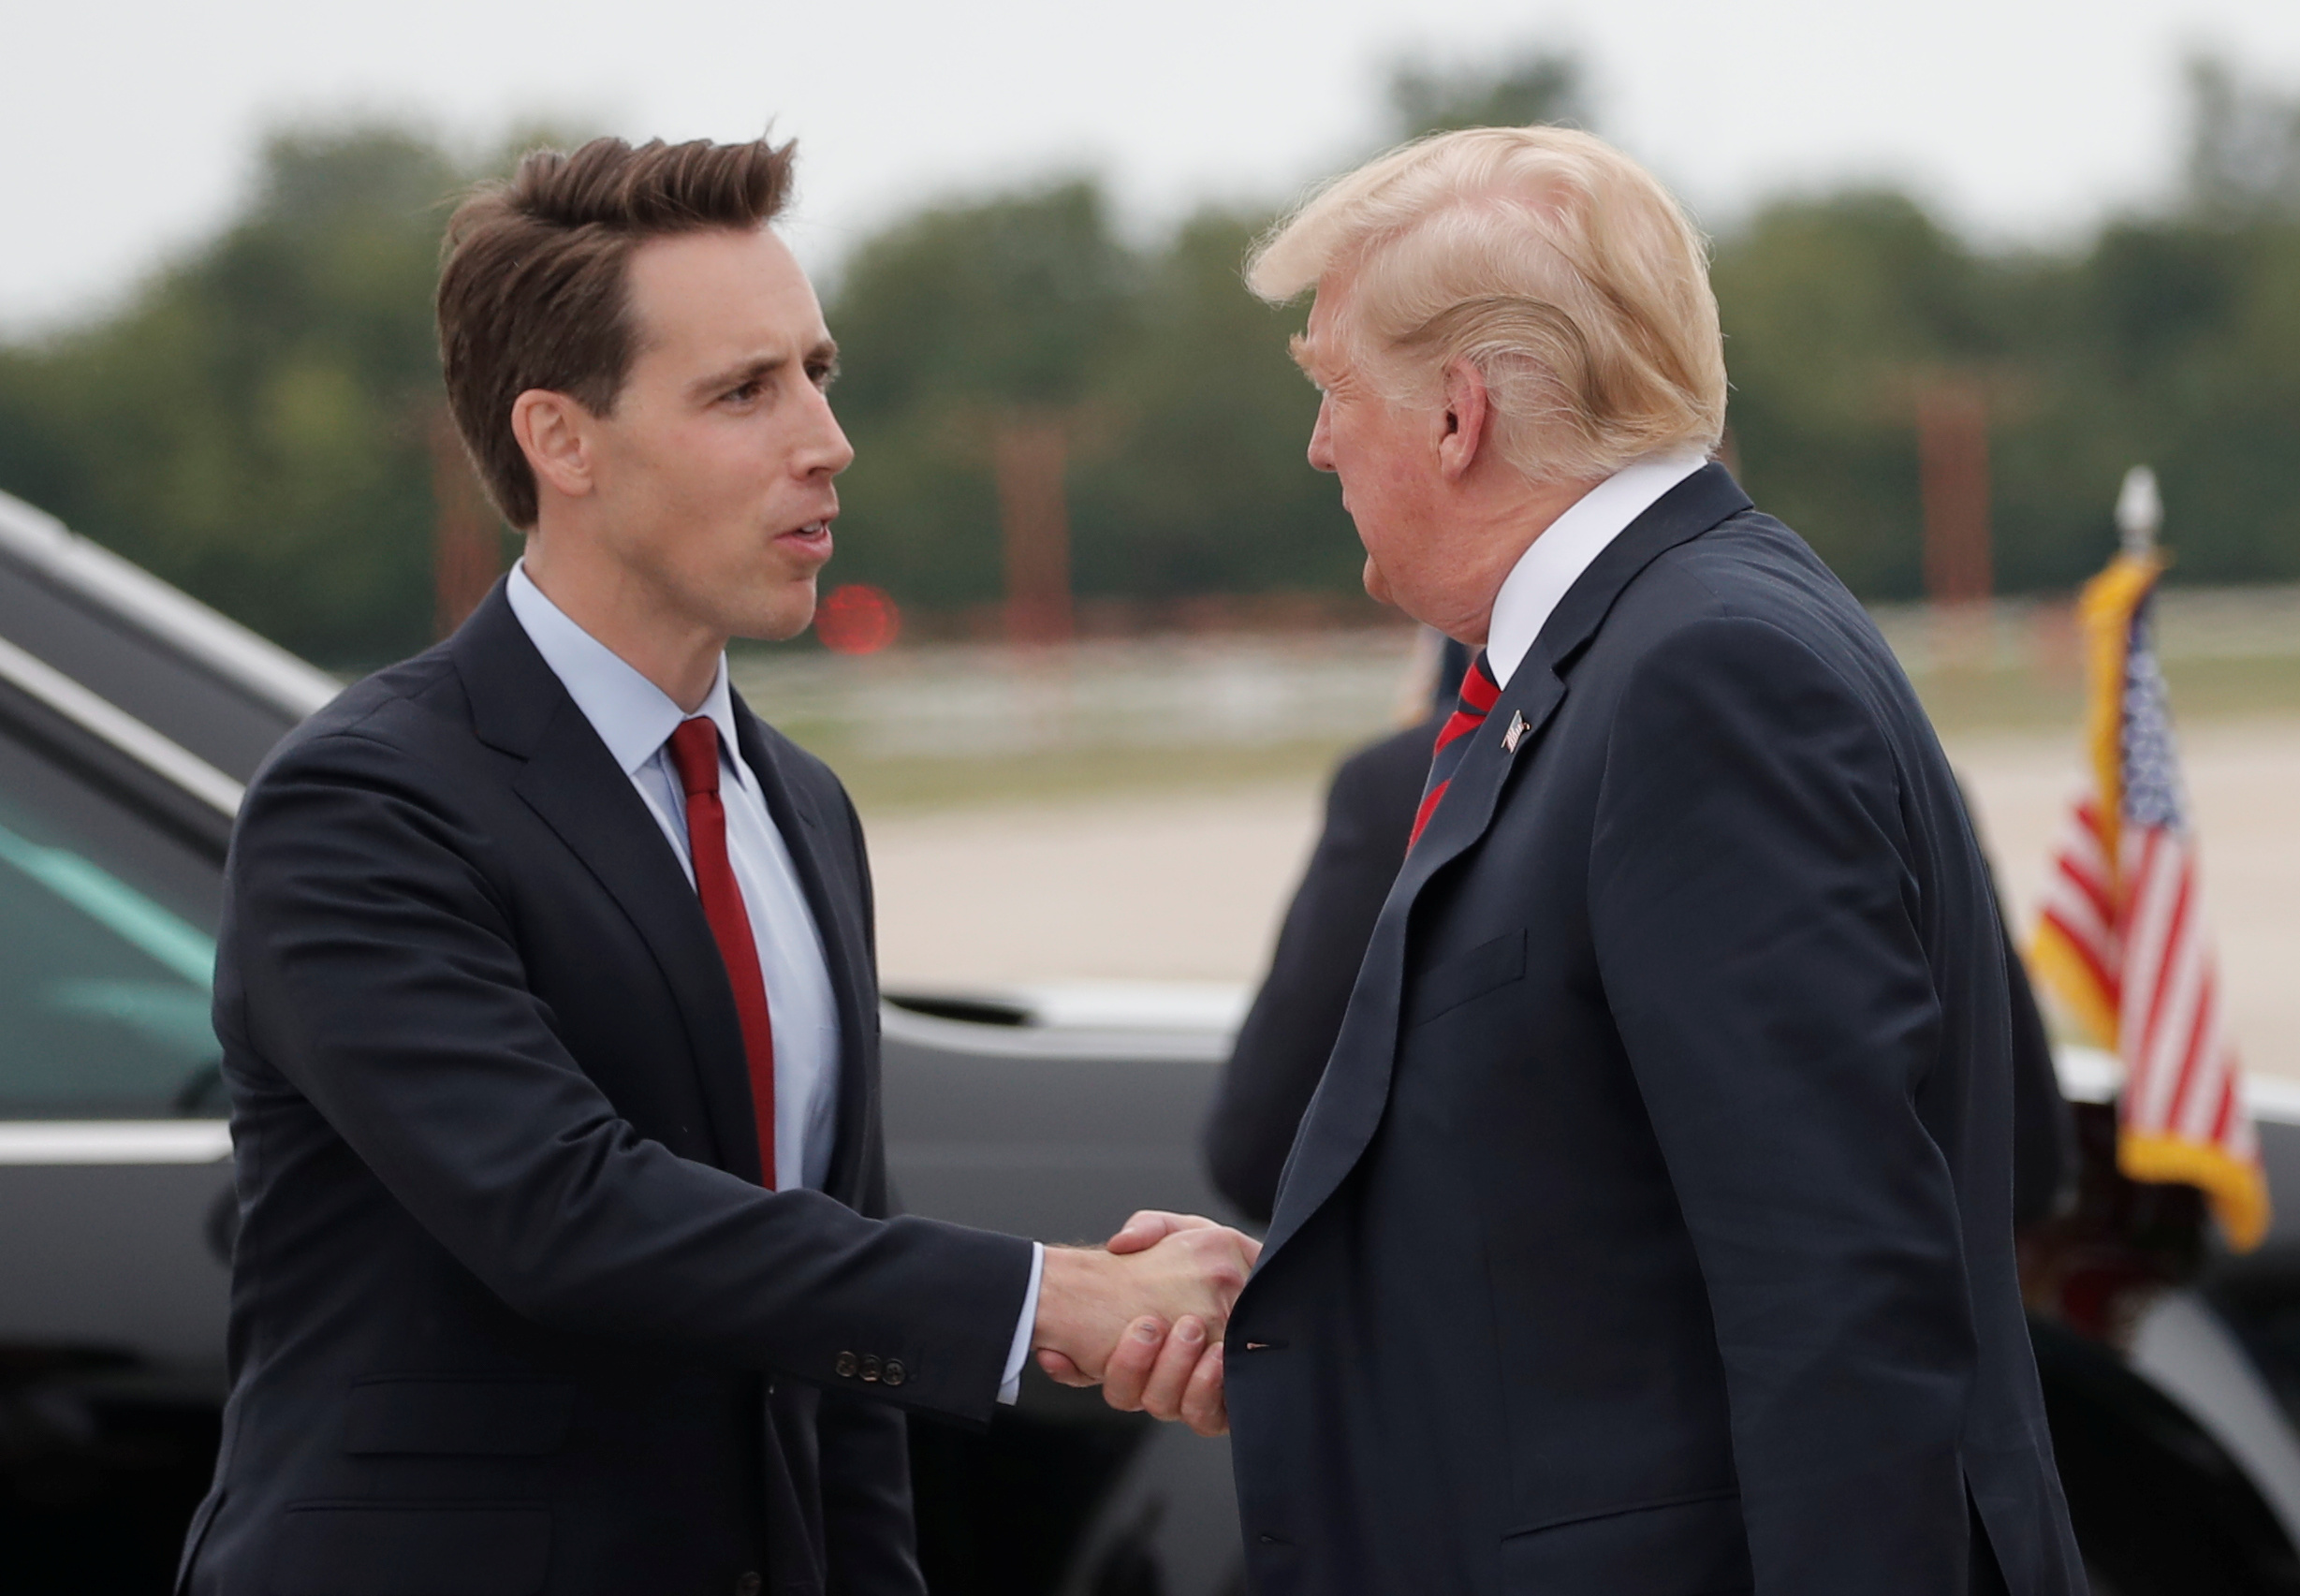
x=1143, y=1317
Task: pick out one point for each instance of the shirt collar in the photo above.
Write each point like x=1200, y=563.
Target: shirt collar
x=1548, y=570
x=632, y=715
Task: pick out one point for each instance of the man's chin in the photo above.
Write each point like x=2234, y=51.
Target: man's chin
x=1462, y=629
x=777, y=619
x=1378, y=589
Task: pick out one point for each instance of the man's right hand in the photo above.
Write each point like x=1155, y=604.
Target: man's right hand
x=1147, y=1313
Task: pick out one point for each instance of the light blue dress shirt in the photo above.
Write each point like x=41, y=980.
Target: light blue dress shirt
x=634, y=718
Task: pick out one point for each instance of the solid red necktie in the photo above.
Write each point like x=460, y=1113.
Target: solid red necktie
x=1479, y=692
x=695, y=750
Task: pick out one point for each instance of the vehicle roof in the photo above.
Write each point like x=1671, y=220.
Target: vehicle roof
x=160, y=658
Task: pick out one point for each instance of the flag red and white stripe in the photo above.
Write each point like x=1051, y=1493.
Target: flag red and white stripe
x=2123, y=938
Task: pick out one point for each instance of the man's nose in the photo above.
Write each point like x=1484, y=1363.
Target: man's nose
x=828, y=450
x=1321, y=440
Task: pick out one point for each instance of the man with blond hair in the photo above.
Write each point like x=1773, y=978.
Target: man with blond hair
x=1649, y=1233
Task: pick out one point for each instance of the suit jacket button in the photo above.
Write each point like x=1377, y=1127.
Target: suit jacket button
x=870, y=1367
x=846, y=1366
x=747, y=1585
x=896, y=1373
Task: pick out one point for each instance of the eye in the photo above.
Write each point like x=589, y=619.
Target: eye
x=744, y=393
x=822, y=374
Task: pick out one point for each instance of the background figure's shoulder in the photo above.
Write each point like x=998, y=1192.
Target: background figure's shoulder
x=1398, y=763
x=1370, y=804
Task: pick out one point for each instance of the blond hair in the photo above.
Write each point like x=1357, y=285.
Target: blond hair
x=1558, y=267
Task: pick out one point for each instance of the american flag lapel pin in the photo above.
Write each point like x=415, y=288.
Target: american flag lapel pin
x=1515, y=735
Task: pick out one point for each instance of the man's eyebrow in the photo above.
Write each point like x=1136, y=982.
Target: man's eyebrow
x=821, y=356
x=1305, y=356
x=734, y=376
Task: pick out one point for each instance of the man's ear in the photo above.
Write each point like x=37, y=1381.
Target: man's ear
x=1469, y=419
x=555, y=434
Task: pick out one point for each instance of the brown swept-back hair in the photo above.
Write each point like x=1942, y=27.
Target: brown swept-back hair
x=533, y=282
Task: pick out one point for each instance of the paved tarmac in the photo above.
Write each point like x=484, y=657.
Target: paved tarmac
x=1189, y=885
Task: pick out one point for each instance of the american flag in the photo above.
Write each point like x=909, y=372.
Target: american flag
x=2122, y=938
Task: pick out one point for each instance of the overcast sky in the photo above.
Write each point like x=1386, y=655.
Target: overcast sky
x=130, y=126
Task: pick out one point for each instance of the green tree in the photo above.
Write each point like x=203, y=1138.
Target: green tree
x=2244, y=145
x=2173, y=339
x=1206, y=488
x=1540, y=86
x=948, y=323
x=1188, y=418
x=252, y=424
x=1835, y=311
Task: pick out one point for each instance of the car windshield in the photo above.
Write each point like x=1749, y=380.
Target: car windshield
x=107, y=949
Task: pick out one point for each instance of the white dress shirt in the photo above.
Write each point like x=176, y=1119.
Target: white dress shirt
x=1549, y=569
x=634, y=718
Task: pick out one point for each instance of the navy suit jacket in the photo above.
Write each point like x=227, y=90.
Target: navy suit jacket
x=1649, y=1233
x=510, y=1312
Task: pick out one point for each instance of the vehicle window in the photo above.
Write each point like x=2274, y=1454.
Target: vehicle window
x=107, y=950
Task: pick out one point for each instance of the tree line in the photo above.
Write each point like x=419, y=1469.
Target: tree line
x=257, y=421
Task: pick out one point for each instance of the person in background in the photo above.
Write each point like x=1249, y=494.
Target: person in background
x=1281, y=1049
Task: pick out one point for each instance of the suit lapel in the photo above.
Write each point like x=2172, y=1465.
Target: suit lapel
x=577, y=789
x=837, y=908
x=1353, y=1095
x=1354, y=1092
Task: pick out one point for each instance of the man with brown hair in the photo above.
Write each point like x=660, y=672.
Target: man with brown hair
x=546, y=1001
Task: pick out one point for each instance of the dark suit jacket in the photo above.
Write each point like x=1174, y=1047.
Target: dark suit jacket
x=510, y=1312
x=1289, y=1032
x=1650, y=1232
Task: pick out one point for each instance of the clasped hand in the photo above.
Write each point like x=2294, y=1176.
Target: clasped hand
x=1143, y=1316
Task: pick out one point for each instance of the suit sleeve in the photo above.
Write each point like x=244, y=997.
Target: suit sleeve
x=2043, y=1132
x=381, y=976
x=1755, y=922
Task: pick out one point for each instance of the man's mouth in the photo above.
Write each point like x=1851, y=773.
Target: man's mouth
x=813, y=534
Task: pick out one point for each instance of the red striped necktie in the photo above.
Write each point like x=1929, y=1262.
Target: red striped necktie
x=695, y=750
x=1479, y=692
